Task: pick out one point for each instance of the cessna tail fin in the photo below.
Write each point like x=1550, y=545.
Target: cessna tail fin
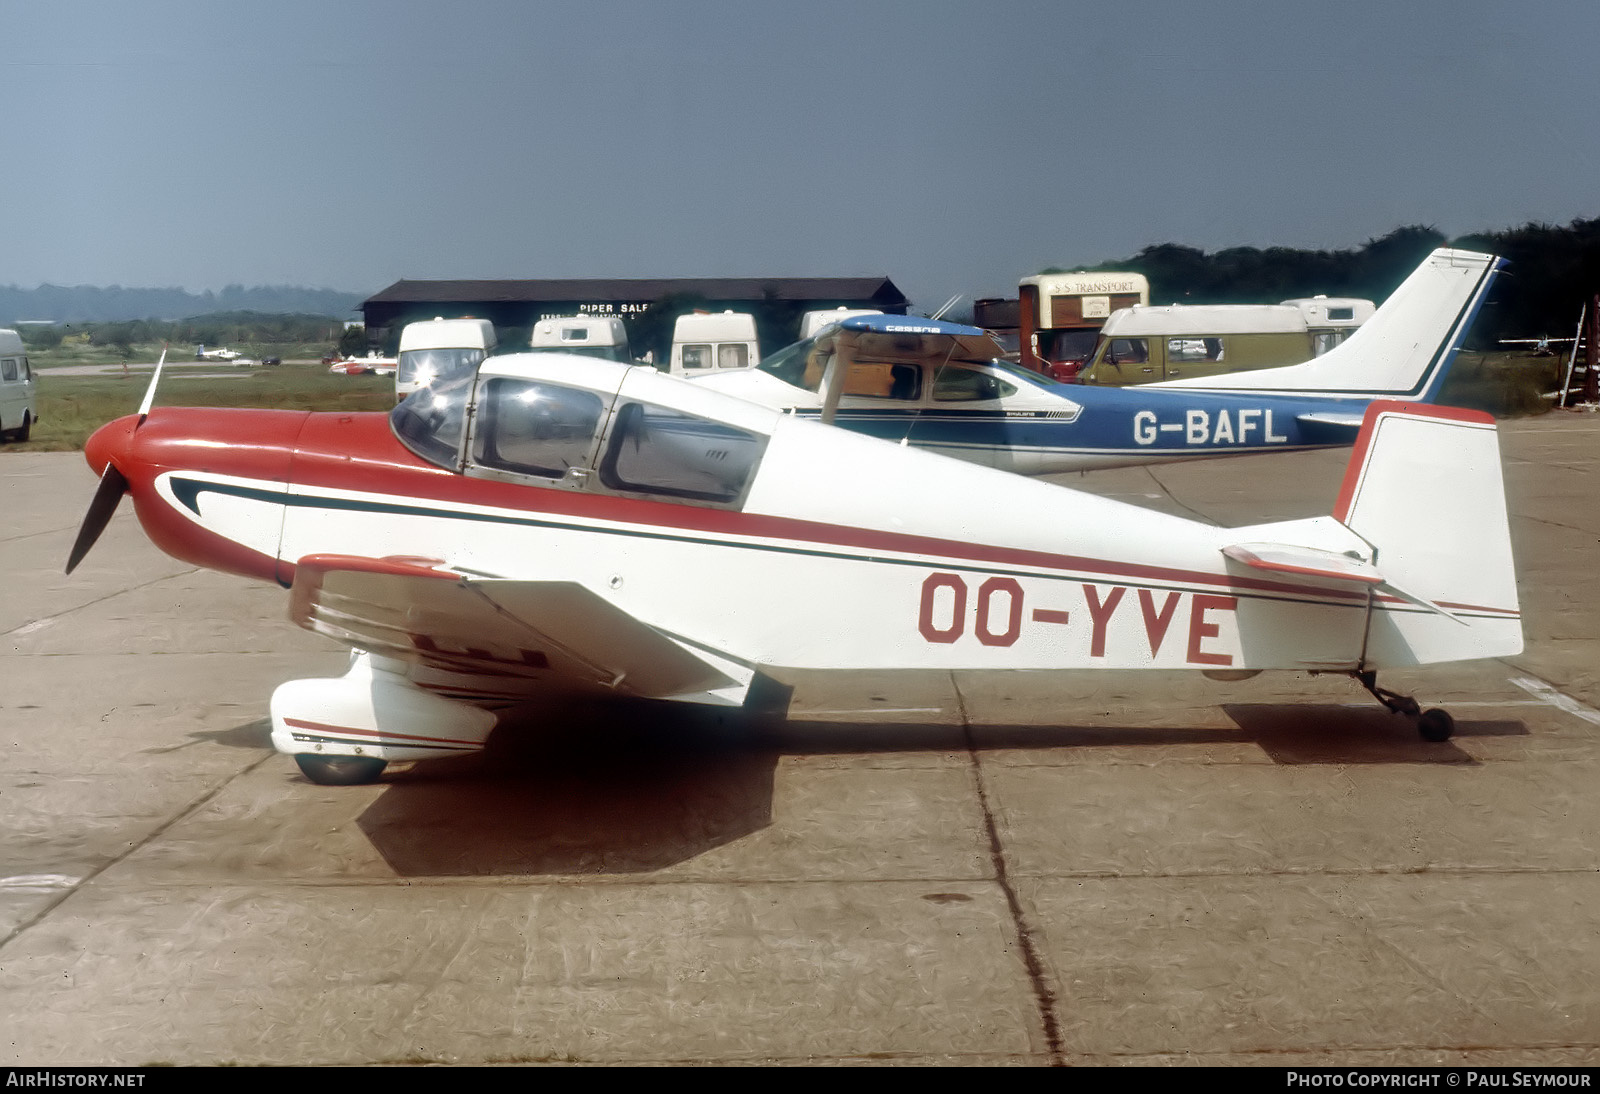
x=1424, y=488
x=1403, y=351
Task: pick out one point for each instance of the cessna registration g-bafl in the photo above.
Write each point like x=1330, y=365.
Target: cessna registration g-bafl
x=941, y=386
x=546, y=522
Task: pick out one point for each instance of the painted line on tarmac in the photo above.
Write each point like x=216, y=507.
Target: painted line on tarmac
x=1549, y=695
x=37, y=883
x=876, y=710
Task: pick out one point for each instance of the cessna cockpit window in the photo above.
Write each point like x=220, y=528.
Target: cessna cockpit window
x=881, y=380
x=430, y=419
x=965, y=384
x=654, y=450
x=535, y=428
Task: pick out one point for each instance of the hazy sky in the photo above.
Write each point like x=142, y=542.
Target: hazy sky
x=952, y=146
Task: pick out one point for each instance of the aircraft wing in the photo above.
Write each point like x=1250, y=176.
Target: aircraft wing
x=513, y=638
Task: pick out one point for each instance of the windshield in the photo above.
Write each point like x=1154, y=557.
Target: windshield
x=423, y=366
x=429, y=421
x=1014, y=371
x=789, y=363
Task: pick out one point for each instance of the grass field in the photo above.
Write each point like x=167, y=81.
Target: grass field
x=72, y=407
x=81, y=353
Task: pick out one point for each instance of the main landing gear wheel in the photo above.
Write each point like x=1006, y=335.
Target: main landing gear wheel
x=339, y=770
x=1435, y=725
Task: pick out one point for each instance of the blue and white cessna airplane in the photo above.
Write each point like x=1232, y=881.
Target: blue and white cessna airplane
x=942, y=386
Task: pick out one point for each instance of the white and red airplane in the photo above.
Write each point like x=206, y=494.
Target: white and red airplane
x=549, y=522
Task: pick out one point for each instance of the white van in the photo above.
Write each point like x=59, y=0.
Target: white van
x=588, y=335
x=18, y=410
x=1145, y=344
x=437, y=347
x=703, y=343
x=813, y=321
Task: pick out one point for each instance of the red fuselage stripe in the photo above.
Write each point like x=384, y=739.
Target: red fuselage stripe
x=322, y=727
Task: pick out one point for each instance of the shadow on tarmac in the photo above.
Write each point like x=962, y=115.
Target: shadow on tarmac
x=621, y=787
x=1326, y=734
x=628, y=787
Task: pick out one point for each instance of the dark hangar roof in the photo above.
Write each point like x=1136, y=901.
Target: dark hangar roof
x=879, y=290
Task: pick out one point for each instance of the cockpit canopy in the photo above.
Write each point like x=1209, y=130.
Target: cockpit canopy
x=579, y=423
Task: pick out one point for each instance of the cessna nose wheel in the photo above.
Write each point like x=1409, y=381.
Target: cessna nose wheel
x=339, y=770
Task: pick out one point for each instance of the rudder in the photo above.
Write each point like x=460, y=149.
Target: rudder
x=1424, y=487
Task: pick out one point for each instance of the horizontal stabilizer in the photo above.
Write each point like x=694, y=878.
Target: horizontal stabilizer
x=1284, y=558
x=500, y=630
x=1352, y=422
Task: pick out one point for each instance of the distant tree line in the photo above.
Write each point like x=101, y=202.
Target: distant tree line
x=1553, y=271
x=219, y=329
x=93, y=304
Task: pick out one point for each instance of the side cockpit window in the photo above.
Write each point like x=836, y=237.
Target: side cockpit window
x=654, y=450
x=430, y=420
x=533, y=428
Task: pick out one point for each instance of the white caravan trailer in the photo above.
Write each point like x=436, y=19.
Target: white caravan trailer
x=1332, y=319
x=439, y=347
x=704, y=343
x=18, y=410
x=588, y=335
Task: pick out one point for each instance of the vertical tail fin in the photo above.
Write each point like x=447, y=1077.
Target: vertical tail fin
x=1424, y=488
x=1403, y=351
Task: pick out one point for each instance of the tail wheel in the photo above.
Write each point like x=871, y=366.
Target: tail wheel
x=1436, y=725
x=339, y=770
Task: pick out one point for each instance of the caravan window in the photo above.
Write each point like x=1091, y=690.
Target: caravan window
x=733, y=355
x=535, y=428
x=698, y=356
x=654, y=450
x=8, y=369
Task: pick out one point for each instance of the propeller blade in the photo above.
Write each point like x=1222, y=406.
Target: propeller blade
x=106, y=496
x=150, y=392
